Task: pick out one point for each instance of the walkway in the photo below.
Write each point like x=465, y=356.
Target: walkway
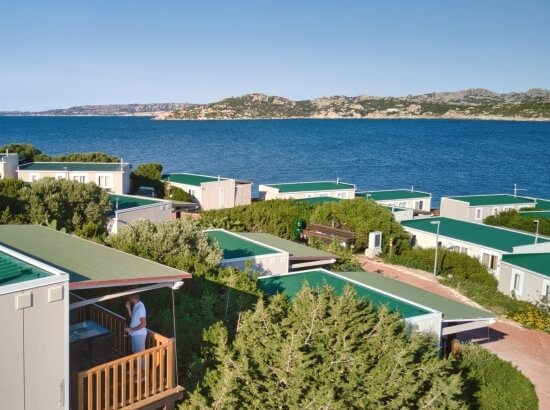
x=528, y=349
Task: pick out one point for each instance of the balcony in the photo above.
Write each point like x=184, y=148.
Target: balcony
x=111, y=377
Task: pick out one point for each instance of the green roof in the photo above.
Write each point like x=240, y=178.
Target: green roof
x=318, y=200
x=536, y=214
x=290, y=284
x=71, y=166
x=189, y=179
x=88, y=263
x=484, y=235
x=235, y=246
x=13, y=270
x=488, y=200
x=293, y=248
x=127, y=201
x=451, y=310
x=394, y=194
x=311, y=186
x=535, y=262
x=543, y=204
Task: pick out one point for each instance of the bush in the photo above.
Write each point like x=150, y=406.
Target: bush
x=472, y=279
x=26, y=152
x=178, y=243
x=449, y=264
x=494, y=384
x=277, y=217
x=148, y=174
x=178, y=194
x=362, y=217
x=514, y=220
x=29, y=153
x=323, y=351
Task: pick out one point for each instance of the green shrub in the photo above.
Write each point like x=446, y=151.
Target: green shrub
x=494, y=384
x=514, y=220
x=178, y=194
x=148, y=174
x=450, y=264
x=472, y=279
x=362, y=217
x=277, y=217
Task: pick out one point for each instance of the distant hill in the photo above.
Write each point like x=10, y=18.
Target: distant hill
x=109, y=109
x=473, y=103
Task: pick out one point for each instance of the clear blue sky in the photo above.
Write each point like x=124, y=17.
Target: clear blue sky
x=63, y=53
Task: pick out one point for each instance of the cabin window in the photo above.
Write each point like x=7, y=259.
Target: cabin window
x=79, y=178
x=493, y=262
x=342, y=195
x=479, y=213
x=495, y=211
x=419, y=205
x=104, y=181
x=517, y=281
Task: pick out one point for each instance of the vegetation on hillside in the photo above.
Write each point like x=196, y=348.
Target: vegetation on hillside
x=476, y=103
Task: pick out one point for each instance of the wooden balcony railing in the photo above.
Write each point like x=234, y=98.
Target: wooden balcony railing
x=110, y=320
x=131, y=380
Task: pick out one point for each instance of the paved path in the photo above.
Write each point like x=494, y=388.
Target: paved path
x=528, y=349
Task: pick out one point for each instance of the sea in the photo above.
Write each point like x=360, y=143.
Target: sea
x=444, y=157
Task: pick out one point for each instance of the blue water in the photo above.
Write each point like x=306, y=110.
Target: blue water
x=445, y=157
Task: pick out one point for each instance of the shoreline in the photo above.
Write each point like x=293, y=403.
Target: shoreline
x=154, y=117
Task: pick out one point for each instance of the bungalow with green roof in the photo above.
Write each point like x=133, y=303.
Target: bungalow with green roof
x=304, y=190
x=421, y=310
x=89, y=364
x=127, y=209
x=8, y=164
x=111, y=176
x=526, y=276
x=401, y=198
x=212, y=192
x=300, y=256
x=475, y=208
x=484, y=242
x=34, y=306
x=243, y=253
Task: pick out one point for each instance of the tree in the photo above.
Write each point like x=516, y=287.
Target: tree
x=513, y=219
x=148, y=174
x=323, y=351
x=362, y=217
x=177, y=194
x=494, y=384
x=67, y=205
x=26, y=152
x=12, y=208
x=29, y=153
x=215, y=295
x=177, y=243
x=277, y=217
x=83, y=157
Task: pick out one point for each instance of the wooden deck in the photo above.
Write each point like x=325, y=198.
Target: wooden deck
x=144, y=380
x=328, y=234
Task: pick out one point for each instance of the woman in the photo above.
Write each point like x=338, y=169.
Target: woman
x=138, y=322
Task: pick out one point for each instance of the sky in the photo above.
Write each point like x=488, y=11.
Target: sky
x=56, y=54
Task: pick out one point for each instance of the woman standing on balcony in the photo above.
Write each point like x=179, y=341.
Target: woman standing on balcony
x=138, y=322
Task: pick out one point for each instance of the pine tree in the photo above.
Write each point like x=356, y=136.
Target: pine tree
x=323, y=351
